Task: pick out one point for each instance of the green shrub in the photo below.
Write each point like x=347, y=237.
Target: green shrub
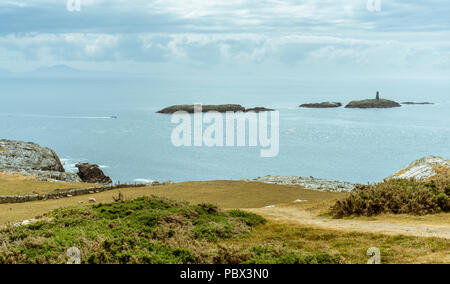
x=249, y=218
x=397, y=196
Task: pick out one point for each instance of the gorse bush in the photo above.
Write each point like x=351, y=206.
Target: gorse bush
x=397, y=196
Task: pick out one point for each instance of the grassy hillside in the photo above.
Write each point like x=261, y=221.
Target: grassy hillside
x=145, y=230
x=157, y=230
x=149, y=229
x=225, y=194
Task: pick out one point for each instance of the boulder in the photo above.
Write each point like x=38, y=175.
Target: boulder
x=322, y=105
x=423, y=169
x=92, y=173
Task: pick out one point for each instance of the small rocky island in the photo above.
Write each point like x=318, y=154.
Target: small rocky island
x=207, y=108
x=413, y=103
x=43, y=164
x=258, y=109
x=374, y=103
x=322, y=105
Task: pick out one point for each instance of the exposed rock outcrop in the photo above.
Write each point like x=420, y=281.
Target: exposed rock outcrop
x=17, y=155
x=92, y=174
x=423, y=168
x=31, y=159
x=309, y=183
x=322, y=105
x=46, y=175
x=206, y=108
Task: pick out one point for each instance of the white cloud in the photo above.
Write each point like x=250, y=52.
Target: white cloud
x=308, y=33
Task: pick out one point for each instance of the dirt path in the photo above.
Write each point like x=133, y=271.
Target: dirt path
x=303, y=217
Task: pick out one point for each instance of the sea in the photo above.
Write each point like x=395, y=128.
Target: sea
x=113, y=122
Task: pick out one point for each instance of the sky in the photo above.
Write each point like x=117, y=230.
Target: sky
x=298, y=38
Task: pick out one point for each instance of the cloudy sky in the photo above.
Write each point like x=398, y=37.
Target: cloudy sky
x=407, y=38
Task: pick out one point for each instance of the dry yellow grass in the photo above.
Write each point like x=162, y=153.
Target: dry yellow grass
x=352, y=246
x=399, y=173
x=436, y=220
x=17, y=184
x=226, y=194
x=238, y=194
x=2, y=149
x=442, y=170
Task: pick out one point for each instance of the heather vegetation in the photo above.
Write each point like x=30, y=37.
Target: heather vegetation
x=144, y=230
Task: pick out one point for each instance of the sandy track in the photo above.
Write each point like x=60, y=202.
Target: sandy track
x=303, y=217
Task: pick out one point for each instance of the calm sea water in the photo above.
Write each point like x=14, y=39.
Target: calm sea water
x=72, y=116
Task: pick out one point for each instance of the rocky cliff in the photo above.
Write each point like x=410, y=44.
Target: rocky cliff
x=16, y=155
x=31, y=159
x=423, y=169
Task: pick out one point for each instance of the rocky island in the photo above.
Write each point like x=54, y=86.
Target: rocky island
x=373, y=103
x=258, y=109
x=207, y=108
x=413, y=103
x=322, y=105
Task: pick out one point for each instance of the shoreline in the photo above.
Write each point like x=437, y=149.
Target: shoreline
x=311, y=183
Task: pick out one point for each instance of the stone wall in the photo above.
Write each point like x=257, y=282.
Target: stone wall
x=62, y=194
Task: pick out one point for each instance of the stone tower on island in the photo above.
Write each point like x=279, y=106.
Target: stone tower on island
x=378, y=96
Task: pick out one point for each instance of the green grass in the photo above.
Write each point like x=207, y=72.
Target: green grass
x=145, y=230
